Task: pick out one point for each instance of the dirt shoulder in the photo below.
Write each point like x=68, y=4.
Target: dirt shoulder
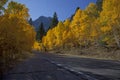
x=92, y=52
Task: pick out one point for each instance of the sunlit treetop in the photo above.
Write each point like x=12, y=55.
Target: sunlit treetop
x=18, y=9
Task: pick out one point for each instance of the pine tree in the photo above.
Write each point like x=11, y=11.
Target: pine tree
x=54, y=21
x=2, y=3
x=30, y=21
x=40, y=32
x=99, y=4
x=71, y=18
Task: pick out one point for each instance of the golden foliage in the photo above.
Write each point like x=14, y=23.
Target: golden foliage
x=16, y=34
x=110, y=20
x=17, y=9
x=37, y=46
x=87, y=27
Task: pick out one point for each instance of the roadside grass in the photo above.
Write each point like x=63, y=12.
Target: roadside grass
x=92, y=52
x=25, y=55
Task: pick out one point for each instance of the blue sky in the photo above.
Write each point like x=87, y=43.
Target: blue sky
x=64, y=8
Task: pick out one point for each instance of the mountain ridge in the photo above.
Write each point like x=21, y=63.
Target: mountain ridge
x=42, y=19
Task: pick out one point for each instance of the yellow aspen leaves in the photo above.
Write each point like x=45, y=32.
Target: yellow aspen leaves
x=106, y=28
x=16, y=34
x=87, y=27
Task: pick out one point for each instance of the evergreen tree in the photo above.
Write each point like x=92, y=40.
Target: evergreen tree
x=2, y=3
x=40, y=32
x=99, y=4
x=30, y=21
x=54, y=21
x=71, y=18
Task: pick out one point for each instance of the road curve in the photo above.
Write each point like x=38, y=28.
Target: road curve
x=96, y=68
x=39, y=68
x=44, y=66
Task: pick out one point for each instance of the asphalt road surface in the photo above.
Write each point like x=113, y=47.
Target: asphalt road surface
x=55, y=67
x=39, y=68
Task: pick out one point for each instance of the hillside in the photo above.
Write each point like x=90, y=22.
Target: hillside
x=45, y=20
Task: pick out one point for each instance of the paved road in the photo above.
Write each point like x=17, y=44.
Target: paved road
x=99, y=69
x=53, y=67
x=39, y=68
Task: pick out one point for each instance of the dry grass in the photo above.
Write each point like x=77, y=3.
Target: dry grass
x=92, y=52
x=25, y=55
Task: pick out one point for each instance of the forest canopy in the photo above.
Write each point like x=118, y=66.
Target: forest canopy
x=97, y=25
